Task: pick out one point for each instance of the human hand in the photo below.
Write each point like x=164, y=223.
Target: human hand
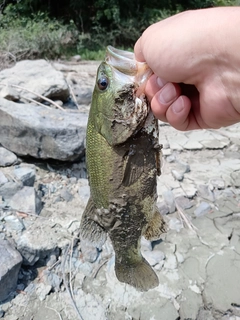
x=196, y=63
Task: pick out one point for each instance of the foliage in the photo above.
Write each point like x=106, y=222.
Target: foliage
x=50, y=28
x=34, y=37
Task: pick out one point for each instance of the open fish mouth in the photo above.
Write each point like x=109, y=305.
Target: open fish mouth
x=129, y=69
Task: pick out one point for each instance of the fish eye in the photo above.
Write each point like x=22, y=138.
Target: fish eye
x=102, y=83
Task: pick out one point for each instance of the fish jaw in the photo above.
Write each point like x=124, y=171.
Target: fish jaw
x=127, y=68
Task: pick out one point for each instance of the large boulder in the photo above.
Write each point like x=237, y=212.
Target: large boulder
x=37, y=76
x=41, y=132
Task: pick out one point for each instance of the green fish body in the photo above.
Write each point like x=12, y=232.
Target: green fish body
x=123, y=161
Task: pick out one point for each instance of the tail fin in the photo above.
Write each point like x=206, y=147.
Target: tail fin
x=139, y=275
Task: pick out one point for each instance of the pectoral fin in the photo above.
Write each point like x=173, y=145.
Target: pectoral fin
x=155, y=227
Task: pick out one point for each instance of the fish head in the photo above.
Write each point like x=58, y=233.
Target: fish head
x=119, y=106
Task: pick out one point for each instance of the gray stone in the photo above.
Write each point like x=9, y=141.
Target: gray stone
x=51, y=279
x=9, y=189
x=13, y=223
x=205, y=192
x=76, y=58
x=183, y=166
x=189, y=189
x=193, y=145
x=153, y=257
x=37, y=76
x=26, y=200
x=10, y=263
x=26, y=175
x=202, y=209
x=3, y=179
x=177, y=175
x=9, y=93
x=42, y=291
x=183, y=202
x=7, y=158
x=42, y=133
x=83, y=94
x=217, y=183
x=40, y=244
x=170, y=200
x=66, y=194
x=163, y=208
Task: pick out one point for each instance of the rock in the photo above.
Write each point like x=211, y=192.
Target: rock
x=9, y=93
x=66, y=194
x=26, y=175
x=163, y=208
x=3, y=179
x=189, y=189
x=51, y=279
x=183, y=202
x=42, y=133
x=177, y=175
x=153, y=257
x=7, y=158
x=193, y=145
x=37, y=76
x=40, y=244
x=205, y=192
x=170, y=200
x=43, y=290
x=10, y=263
x=76, y=58
x=9, y=189
x=184, y=167
x=202, y=209
x=83, y=94
x=14, y=224
x=31, y=204
x=217, y=183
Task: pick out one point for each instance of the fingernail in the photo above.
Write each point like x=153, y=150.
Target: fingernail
x=167, y=94
x=161, y=83
x=178, y=105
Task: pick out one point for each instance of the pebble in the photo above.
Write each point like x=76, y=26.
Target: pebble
x=183, y=202
x=153, y=257
x=7, y=158
x=202, y=209
x=66, y=194
x=217, y=183
x=205, y=192
x=177, y=175
x=168, y=197
x=42, y=291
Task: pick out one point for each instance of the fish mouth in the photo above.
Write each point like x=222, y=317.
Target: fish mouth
x=125, y=62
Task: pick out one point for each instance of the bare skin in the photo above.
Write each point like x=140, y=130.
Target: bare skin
x=195, y=57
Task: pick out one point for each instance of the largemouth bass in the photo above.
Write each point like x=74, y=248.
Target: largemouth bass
x=123, y=161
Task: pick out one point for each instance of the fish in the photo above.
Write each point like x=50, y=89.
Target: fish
x=123, y=161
